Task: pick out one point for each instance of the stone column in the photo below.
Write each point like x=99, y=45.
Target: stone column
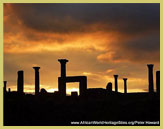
x=9, y=90
x=62, y=86
x=62, y=79
x=20, y=82
x=116, y=83
x=83, y=86
x=37, y=80
x=125, y=85
x=158, y=82
x=63, y=66
x=4, y=87
x=150, y=77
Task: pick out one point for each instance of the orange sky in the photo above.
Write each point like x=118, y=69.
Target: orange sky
x=98, y=40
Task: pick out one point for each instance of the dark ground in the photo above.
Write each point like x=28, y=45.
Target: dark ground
x=51, y=110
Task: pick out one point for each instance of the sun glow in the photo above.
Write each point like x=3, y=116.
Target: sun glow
x=30, y=89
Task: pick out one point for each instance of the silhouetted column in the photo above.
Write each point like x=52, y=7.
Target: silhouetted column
x=158, y=82
x=125, y=85
x=83, y=86
x=20, y=82
x=4, y=87
x=63, y=67
x=150, y=77
x=37, y=80
x=116, y=82
x=9, y=90
x=62, y=86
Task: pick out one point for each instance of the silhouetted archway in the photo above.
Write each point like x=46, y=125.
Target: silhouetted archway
x=82, y=84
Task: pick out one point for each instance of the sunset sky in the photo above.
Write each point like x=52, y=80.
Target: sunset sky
x=99, y=40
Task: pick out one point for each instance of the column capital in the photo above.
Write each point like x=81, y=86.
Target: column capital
x=157, y=71
x=20, y=71
x=63, y=60
x=125, y=79
x=116, y=76
x=36, y=68
x=150, y=65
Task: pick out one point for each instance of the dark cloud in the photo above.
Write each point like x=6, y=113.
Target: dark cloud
x=144, y=48
x=138, y=23
x=64, y=18
x=148, y=43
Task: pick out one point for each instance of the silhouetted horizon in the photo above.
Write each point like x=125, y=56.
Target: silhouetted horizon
x=63, y=79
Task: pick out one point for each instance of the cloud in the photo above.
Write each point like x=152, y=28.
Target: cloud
x=123, y=32
x=98, y=39
x=144, y=49
x=67, y=18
